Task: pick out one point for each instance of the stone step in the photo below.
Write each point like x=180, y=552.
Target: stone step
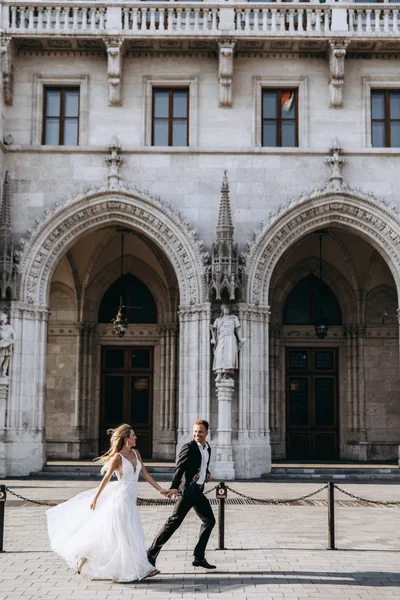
x=86, y=469
x=335, y=473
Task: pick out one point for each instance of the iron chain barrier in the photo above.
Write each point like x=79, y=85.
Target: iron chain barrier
x=221, y=498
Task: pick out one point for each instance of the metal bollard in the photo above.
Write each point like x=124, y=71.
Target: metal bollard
x=331, y=516
x=222, y=494
x=3, y=496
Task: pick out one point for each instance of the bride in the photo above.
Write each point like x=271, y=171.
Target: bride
x=99, y=532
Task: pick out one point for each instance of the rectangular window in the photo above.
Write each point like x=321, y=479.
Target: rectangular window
x=385, y=118
x=170, y=117
x=279, y=118
x=61, y=116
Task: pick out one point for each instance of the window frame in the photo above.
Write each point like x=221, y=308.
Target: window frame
x=39, y=84
x=171, y=91
x=62, y=116
x=284, y=82
x=169, y=81
x=387, y=120
x=279, y=120
x=375, y=84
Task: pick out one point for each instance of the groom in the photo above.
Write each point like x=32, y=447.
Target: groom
x=191, y=473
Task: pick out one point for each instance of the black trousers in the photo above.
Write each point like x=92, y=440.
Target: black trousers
x=191, y=498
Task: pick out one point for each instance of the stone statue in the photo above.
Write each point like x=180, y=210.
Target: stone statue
x=7, y=338
x=227, y=341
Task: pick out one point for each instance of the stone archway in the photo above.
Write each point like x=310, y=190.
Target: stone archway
x=40, y=253
x=339, y=206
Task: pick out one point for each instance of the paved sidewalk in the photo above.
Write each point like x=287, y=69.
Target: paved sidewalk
x=273, y=552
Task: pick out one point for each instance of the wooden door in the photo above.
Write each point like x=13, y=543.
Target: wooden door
x=312, y=404
x=126, y=394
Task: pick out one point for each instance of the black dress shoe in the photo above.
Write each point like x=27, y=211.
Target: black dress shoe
x=201, y=562
x=151, y=559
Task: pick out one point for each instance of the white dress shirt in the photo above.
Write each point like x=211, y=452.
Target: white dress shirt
x=204, y=460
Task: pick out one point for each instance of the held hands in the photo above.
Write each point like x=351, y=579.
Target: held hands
x=172, y=494
x=163, y=492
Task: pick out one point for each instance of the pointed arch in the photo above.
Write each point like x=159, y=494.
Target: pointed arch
x=135, y=209
x=363, y=214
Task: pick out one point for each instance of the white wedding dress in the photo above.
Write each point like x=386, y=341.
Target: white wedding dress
x=111, y=537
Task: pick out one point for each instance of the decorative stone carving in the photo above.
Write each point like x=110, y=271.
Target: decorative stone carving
x=114, y=70
x=7, y=338
x=223, y=468
x=227, y=341
x=114, y=162
x=225, y=72
x=48, y=240
x=224, y=272
x=337, y=53
x=335, y=161
x=317, y=209
x=7, y=51
x=8, y=268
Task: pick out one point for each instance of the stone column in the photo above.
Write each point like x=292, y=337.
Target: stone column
x=223, y=468
x=167, y=436
x=25, y=412
x=252, y=453
x=194, y=368
x=4, y=384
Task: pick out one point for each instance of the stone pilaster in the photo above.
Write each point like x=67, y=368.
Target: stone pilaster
x=4, y=385
x=252, y=453
x=337, y=53
x=25, y=411
x=194, y=368
x=223, y=468
x=225, y=72
x=114, y=70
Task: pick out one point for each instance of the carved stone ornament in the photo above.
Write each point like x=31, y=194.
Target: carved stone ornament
x=114, y=70
x=349, y=207
x=225, y=72
x=114, y=162
x=336, y=162
x=337, y=53
x=7, y=51
x=42, y=248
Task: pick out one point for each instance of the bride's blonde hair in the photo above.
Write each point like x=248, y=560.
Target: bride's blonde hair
x=118, y=437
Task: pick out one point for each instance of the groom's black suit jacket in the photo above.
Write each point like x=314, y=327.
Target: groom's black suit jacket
x=187, y=468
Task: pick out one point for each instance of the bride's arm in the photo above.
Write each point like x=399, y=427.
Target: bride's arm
x=113, y=465
x=146, y=475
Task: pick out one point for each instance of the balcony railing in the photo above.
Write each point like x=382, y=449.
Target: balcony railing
x=132, y=18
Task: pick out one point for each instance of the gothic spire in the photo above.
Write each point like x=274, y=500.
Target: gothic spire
x=225, y=227
x=8, y=272
x=224, y=271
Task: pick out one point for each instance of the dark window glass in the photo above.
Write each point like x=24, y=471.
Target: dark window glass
x=135, y=295
x=114, y=358
x=385, y=118
x=114, y=399
x=298, y=359
x=308, y=299
x=279, y=118
x=298, y=401
x=324, y=401
x=324, y=359
x=140, y=359
x=170, y=117
x=140, y=393
x=61, y=117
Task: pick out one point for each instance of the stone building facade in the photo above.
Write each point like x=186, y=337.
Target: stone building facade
x=311, y=217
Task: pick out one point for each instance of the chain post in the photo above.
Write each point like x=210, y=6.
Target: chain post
x=331, y=516
x=222, y=494
x=3, y=496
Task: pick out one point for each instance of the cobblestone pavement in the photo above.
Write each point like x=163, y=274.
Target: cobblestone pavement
x=273, y=552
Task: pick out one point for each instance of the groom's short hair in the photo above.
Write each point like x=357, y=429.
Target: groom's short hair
x=202, y=422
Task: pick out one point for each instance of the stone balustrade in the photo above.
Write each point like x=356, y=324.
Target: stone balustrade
x=132, y=18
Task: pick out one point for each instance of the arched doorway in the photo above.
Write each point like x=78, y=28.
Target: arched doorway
x=360, y=264
x=312, y=399
x=67, y=265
